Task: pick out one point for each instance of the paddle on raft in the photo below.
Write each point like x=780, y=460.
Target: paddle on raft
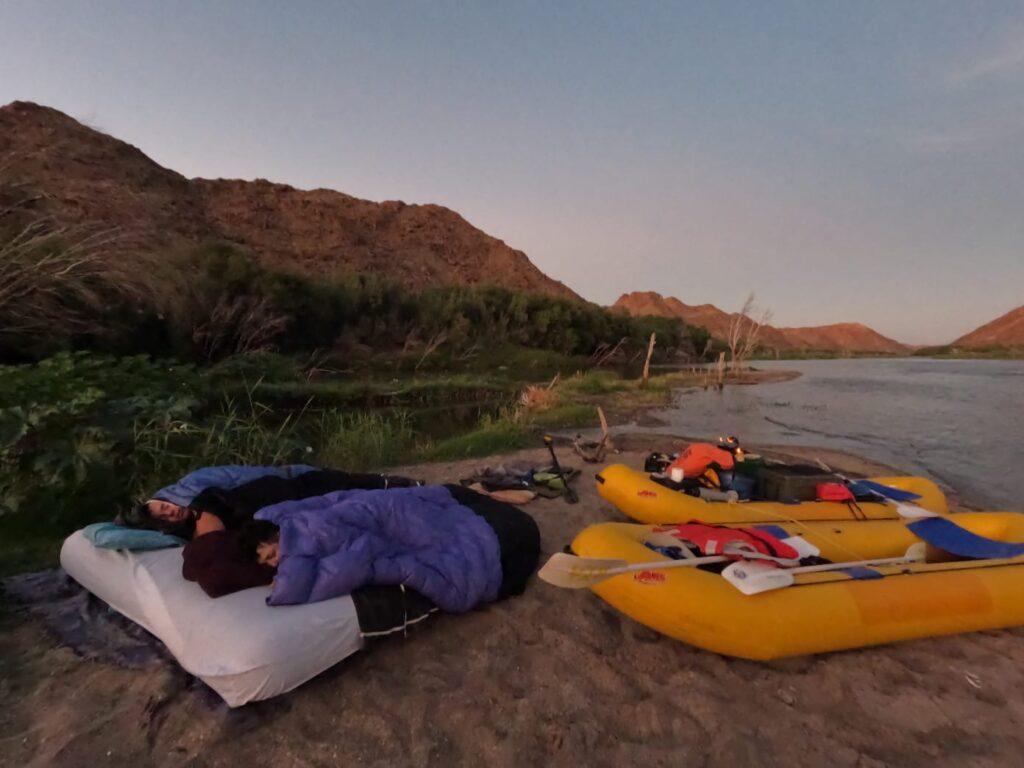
x=752, y=578
x=572, y=572
x=903, y=509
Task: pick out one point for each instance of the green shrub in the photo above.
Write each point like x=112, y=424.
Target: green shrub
x=492, y=435
x=361, y=441
x=217, y=302
x=240, y=432
x=565, y=416
x=595, y=383
x=81, y=435
x=68, y=423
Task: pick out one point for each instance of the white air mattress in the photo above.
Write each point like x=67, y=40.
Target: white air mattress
x=238, y=645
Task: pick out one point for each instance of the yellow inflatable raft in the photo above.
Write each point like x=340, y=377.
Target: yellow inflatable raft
x=646, y=501
x=826, y=611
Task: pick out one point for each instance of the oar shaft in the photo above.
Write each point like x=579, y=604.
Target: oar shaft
x=854, y=564
x=659, y=565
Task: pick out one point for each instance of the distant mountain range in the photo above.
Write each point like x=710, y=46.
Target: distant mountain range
x=841, y=337
x=76, y=174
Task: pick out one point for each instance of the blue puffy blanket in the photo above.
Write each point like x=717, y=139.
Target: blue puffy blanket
x=420, y=537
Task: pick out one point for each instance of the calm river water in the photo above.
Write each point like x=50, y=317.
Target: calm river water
x=960, y=422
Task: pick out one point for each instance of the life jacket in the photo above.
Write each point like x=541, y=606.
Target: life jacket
x=721, y=540
x=834, y=492
x=710, y=479
x=697, y=457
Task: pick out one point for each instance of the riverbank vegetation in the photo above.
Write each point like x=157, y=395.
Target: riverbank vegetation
x=84, y=434
x=63, y=290
x=963, y=353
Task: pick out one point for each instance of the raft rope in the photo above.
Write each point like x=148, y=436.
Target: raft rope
x=856, y=511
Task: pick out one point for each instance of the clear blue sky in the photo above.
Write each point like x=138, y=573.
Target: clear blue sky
x=850, y=161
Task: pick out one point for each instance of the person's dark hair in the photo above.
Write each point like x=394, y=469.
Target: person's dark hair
x=254, y=533
x=139, y=516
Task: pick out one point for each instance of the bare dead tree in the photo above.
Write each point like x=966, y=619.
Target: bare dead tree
x=411, y=340
x=314, y=366
x=469, y=352
x=606, y=352
x=707, y=348
x=744, y=331
x=720, y=371
x=647, y=361
x=432, y=345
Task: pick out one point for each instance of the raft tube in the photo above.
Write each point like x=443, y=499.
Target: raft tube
x=821, y=612
x=646, y=501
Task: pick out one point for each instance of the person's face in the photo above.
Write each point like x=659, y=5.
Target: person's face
x=267, y=553
x=165, y=510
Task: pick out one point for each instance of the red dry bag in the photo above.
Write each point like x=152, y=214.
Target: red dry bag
x=834, y=492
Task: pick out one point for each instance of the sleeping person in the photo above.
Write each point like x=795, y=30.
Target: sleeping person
x=169, y=502
x=225, y=498
x=215, y=521
x=171, y=510
x=211, y=520
x=325, y=533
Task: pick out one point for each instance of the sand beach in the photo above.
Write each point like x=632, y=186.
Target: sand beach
x=554, y=677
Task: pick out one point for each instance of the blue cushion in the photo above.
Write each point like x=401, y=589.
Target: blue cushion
x=948, y=536
x=864, y=487
x=114, y=536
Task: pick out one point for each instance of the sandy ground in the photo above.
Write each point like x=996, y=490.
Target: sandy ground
x=552, y=678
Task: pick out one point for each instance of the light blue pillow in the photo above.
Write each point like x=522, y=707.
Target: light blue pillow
x=114, y=536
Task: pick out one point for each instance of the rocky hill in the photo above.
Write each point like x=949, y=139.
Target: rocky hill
x=77, y=175
x=1006, y=331
x=841, y=337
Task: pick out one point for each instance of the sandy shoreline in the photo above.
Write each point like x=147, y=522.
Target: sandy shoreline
x=554, y=677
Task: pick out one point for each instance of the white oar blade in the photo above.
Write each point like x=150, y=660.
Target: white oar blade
x=913, y=512
x=751, y=577
x=916, y=552
x=572, y=572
